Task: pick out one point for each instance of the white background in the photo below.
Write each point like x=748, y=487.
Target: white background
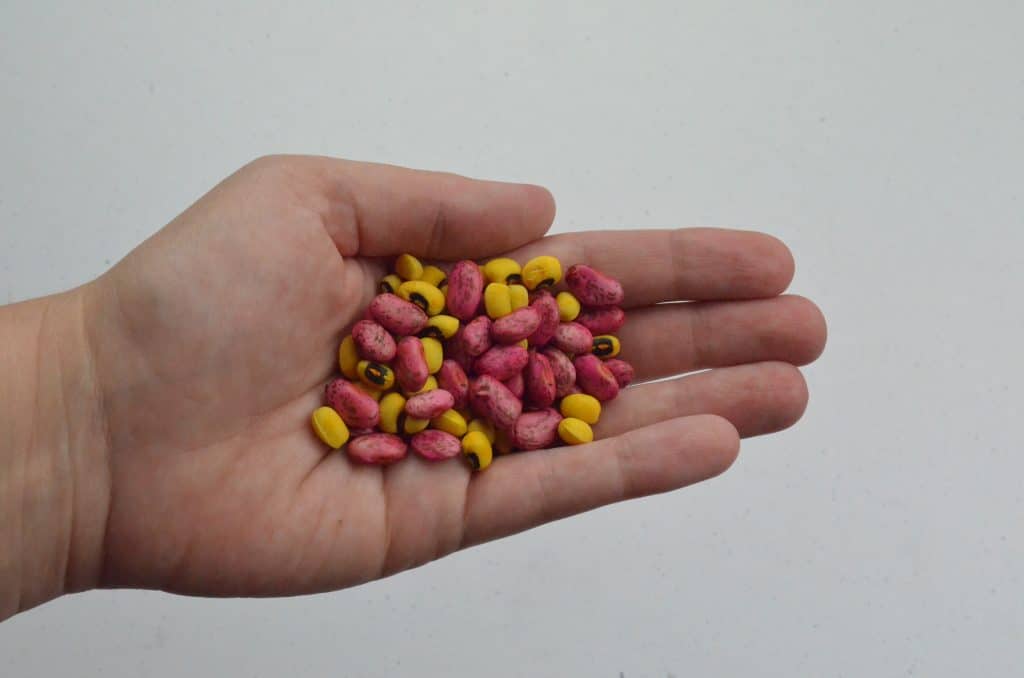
x=882, y=140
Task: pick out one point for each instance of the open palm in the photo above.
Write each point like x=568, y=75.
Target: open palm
x=213, y=340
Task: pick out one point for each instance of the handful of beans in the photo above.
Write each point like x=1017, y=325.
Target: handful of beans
x=479, y=361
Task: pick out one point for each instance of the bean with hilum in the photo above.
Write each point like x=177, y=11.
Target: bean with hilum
x=476, y=361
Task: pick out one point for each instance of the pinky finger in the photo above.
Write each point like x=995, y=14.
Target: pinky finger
x=530, y=489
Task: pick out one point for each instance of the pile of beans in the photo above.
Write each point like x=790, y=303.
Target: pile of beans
x=479, y=361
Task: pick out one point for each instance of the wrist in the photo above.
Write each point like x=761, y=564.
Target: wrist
x=54, y=471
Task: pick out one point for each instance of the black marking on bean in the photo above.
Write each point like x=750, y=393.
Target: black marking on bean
x=545, y=283
x=474, y=460
x=603, y=346
x=432, y=332
x=377, y=373
x=514, y=279
x=386, y=288
x=419, y=300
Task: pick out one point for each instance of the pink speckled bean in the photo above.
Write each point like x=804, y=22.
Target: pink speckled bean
x=547, y=307
x=605, y=320
x=622, y=371
x=476, y=336
x=595, y=378
x=516, y=326
x=491, y=399
x=592, y=287
x=430, y=404
x=465, y=289
x=373, y=341
x=410, y=366
x=355, y=406
x=455, y=349
x=502, y=362
x=541, y=387
x=516, y=384
x=435, y=445
x=573, y=338
x=377, y=448
x=535, y=430
x=452, y=378
x=397, y=315
x=565, y=373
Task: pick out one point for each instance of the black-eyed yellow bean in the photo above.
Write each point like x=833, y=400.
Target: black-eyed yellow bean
x=519, y=295
x=541, y=272
x=348, y=357
x=497, y=300
x=423, y=294
x=503, y=270
x=433, y=351
x=477, y=449
x=483, y=426
x=581, y=406
x=452, y=378
x=398, y=316
x=606, y=346
x=568, y=306
x=441, y=327
x=574, y=431
x=429, y=385
x=434, y=276
x=450, y=421
x=330, y=427
x=408, y=267
x=536, y=430
x=592, y=287
x=389, y=284
x=375, y=375
x=465, y=289
x=356, y=408
x=392, y=406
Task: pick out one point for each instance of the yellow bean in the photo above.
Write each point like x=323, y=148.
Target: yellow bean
x=375, y=375
x=477, y=449
x=450, y=422
x=541, y=272
x=434, y=276
x=483, y=426
x=433, y=351
x=330, y=427
x=519, y=295
x=503, y=270
x=497, y=300
x=348, y=357
x=408, y=267
x=568, y=306
x=423, y=294
x=574, y=431
x=581, y=406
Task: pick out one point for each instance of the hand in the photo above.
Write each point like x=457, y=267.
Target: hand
x=212, y=341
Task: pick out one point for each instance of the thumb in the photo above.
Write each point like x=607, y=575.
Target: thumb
x=383, y=210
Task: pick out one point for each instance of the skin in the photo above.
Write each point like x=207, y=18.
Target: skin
x=156, y=426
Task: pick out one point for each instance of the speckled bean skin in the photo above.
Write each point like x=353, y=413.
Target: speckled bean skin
x=452, y=378
x=373, y=342
x=491, y=399
x=573, y=338
x=465, y=290
x=536, y=430
x=622, y=371
x=592, y=287
x=357, y=409
x=476, y=336
x=377, y=448
x=540, y=381
x=501, y=362
x=455, y=349
x=547, y=307
x=516, y=326
x=397, y=315
x=562, y=367
x=430, y=404
x=516, y=384
x=605, y=320
x=595, y=378
x=435, y=445
x=410, y=366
